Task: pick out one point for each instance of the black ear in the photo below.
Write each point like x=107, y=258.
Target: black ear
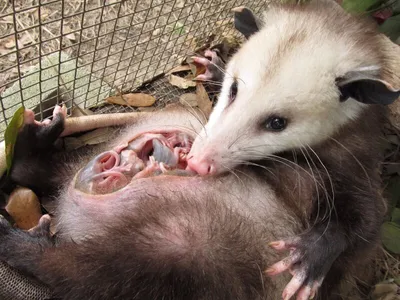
x=245, y=21
x=367, y=88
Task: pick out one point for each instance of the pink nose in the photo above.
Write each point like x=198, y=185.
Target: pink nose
x=201, y=166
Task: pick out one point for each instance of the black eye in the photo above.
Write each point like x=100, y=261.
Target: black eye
x=233, y=92
x=275, y=123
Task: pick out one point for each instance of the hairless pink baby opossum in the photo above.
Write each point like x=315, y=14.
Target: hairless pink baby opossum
x=134, y=220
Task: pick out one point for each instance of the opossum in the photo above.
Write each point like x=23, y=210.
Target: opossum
x=303, y=98
x=132, y=223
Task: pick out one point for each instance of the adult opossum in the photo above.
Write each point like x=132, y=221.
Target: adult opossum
x=132, y=223
x=302, y=98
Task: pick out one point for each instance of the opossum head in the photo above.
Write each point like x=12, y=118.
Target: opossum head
x=308, y=72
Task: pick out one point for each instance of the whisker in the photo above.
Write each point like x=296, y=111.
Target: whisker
x=355, y=158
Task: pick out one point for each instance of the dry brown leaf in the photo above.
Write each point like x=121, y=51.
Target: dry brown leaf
x=134, y=99
x=79, y=112
x=178, y=69
x=196, y=69
x=386, y=291
x=189, y=99
x=24, y=207
x=180, y=82
x=203, y=100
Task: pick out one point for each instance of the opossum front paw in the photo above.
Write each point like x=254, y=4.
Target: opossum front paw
x=311, y=256
x=59, y=112
x=213, y=65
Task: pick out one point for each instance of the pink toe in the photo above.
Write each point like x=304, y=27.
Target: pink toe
x=278, y=245
x=292, y=287
x=278, y=268
x=201, y=60
x=29, y=116
x=304, y=293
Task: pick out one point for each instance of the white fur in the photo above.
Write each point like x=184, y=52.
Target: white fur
x=294, y=80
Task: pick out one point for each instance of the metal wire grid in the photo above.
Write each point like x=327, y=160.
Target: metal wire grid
x=86, y=49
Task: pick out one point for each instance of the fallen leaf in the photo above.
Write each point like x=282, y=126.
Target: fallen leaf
x=391, y=237
x=180, y=82
x=76, y=111
x=395, y=216
x=24, y=207
x=178, y=69
x=203, y=100
x=189, y=99
x=134, y=99
x=385, y=291
x=196, y=69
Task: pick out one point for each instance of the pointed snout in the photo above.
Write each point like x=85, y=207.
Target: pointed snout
x=201, y=165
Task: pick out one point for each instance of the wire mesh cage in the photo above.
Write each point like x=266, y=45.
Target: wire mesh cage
x=86, y=50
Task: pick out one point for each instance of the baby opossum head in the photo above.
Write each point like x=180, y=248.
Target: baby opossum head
x=309, y=71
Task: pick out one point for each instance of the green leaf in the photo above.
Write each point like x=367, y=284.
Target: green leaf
x=391, y=27
x=11, y=134
x=395, y=217
x=358, y=6
x=391, y=237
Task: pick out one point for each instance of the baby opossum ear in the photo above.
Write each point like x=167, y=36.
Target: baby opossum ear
x=366, y=87
x=245, y=21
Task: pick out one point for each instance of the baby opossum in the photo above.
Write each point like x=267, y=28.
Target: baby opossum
x=302, y=99
x=133, y=224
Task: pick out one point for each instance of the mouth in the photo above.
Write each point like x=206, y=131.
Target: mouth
x=147, y=155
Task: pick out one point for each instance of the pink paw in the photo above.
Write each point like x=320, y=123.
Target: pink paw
x=310, y=258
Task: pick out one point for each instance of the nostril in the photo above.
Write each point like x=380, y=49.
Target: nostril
x=209, y=170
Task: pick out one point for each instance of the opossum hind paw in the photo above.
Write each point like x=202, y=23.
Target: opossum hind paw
x=308, y=262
